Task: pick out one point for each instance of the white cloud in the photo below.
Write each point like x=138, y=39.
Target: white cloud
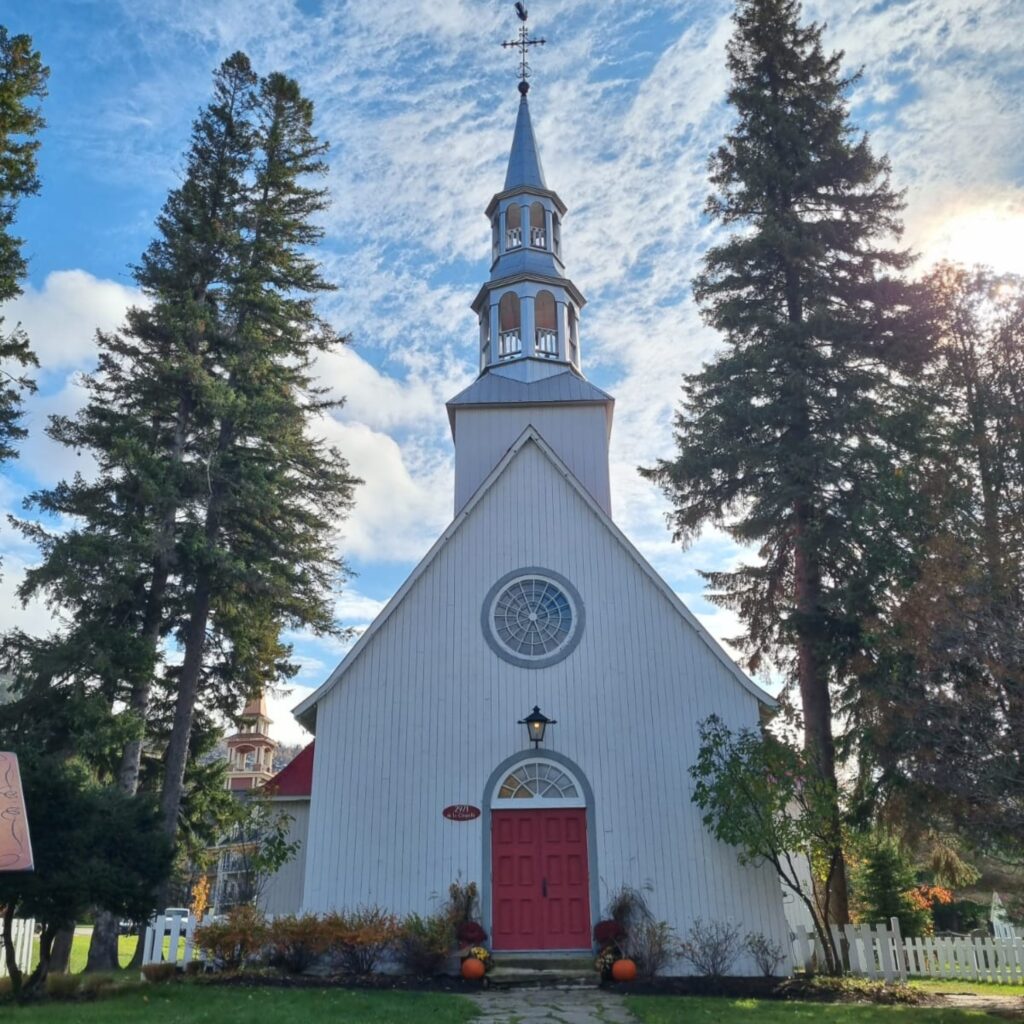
x=405, y=501
x=62, y=316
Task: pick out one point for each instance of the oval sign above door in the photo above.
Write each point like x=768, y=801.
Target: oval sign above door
x=461, y=812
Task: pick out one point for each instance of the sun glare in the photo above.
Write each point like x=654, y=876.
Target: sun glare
x=990, y=235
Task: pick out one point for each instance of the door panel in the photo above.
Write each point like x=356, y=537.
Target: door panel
x=540, y=879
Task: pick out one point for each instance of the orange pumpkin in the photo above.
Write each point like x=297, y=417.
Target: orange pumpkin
x=623, y=970
x=473, y=969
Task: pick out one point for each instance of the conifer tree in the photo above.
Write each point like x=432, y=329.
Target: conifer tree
x=789, y=439
x=259, y=547
x=211, y=521
x=22, y=79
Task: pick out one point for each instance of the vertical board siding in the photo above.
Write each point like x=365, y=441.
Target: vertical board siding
x=427, y=711
x=283, y=893
x=577, y=432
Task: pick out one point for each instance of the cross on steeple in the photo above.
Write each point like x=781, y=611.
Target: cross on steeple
x=523, y=44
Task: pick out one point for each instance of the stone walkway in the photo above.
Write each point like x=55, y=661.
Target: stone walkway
x=553, y=1005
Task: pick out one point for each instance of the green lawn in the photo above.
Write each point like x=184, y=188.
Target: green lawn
x=80, y=951
x=691, y=1010
x=978, y=988
x=199, y=1004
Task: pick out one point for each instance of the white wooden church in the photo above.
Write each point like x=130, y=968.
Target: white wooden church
x=532, y=605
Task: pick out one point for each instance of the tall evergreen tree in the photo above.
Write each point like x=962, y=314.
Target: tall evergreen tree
x=22, y=80
x=260, y=547
x=211, y=521
x=790, y=438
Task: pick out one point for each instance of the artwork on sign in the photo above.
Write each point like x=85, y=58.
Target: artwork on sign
x=15, y=847
x=461, y=812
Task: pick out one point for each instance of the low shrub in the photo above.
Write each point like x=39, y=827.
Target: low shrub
x=63, y=986
x=424, y=943
x=159, y=973
x=470, y=933
x=94, y=985
x=711, y=947
x=765, y=953
x=652, y=945
x=361, y=937
x=295, y=943
x=823, y=988
x=462, y=902
x=235, y=939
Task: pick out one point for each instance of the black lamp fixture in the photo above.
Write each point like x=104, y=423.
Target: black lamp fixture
x=536, y=722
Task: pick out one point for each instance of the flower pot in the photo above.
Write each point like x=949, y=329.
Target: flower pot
x=623, y=970
x=474, y=970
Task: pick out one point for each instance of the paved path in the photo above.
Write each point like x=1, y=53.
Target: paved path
x=552, y=1006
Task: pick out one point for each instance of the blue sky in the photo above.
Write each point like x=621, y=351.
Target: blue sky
x=418, y=102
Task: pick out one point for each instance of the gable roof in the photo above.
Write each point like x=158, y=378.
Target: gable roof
x=305, y=711
x=295, y=779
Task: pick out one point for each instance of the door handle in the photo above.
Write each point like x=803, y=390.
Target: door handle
x=544, y=887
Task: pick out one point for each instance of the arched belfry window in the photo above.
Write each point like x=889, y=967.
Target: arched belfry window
x=556, y=232
x=547, y=325
x=510, y=337
x=538, y=232
x=574, y=355
x=513, y=227
x=495, y=231
x=539, y=782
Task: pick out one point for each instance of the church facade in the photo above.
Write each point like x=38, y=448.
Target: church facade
x=524, y=711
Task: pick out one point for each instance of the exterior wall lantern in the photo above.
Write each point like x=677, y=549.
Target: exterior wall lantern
x=536, y=722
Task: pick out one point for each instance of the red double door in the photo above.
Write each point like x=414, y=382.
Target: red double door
x=539, y=879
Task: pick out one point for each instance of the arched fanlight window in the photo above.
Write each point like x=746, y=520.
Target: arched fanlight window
x=510, y=341
x=541, y=781
x=513, y=227
x=538, y=232
x=547, y=325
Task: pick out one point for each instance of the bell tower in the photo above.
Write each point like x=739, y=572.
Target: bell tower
x=251, y=749
x=529, y=316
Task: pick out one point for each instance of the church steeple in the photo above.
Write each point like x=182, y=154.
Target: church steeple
x=528, y=310
x=529, y=314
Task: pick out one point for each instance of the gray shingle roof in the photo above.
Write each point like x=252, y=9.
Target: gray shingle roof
x=494, y=389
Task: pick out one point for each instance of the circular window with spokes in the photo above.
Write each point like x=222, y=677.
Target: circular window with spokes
x=532, y=618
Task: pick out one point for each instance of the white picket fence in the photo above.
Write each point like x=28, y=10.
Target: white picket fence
x=178, y=931
x=21, y=933
x=880, y=952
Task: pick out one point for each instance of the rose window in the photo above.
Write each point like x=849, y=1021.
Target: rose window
x=531, y=619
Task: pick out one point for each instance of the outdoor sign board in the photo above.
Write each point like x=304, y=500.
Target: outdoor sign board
x=15, y=846
x=461, y=812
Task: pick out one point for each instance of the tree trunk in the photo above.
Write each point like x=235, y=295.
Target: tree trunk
x=103, y=945
x=812, y=675
x=13, y=970
x=37, y=979
x=60, y=954
x=184, y=708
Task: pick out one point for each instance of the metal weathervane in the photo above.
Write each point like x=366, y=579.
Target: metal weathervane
x=523, y=44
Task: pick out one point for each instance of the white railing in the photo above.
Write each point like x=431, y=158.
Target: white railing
x=179, y=933
x=879, y=951
x=21, y=933
x=513, y=238
x=547, y=343
x=510, y=343
x=538, y=238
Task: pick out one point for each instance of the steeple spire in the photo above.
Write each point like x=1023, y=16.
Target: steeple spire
x=524, y=160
